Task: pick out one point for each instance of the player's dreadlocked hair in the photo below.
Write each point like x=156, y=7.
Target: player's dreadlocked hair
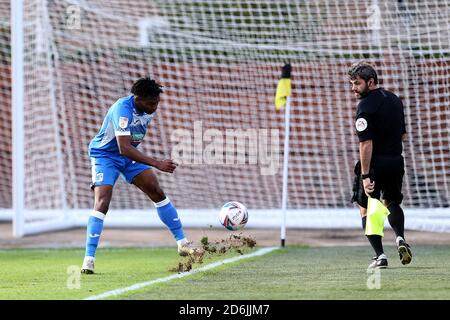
x=364, y=70
x=146, y=87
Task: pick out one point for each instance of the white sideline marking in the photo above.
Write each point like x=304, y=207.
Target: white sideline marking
x=140, y=285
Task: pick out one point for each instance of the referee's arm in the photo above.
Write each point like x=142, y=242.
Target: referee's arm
x=365, y=134
x=365, y=154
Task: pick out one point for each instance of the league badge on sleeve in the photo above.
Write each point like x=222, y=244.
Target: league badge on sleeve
x=123, y=122
x=361, y=124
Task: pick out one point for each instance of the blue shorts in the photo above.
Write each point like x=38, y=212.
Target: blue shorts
x=106, y=170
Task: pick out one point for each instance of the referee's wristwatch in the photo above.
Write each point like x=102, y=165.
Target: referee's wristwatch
x=365, y=176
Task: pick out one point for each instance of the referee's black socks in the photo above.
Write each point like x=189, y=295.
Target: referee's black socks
x=377, y=245
x=397, y=219
x=375, y=240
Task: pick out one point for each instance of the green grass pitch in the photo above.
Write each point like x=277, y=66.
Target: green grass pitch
x=294, y=272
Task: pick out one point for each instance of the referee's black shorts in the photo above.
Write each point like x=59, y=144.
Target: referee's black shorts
x=387, y=172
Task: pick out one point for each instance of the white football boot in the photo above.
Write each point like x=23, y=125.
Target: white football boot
x=88, y=265
x=187, y=248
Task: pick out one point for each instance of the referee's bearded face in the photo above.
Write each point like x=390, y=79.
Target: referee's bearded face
x=148, y=105
x=359, y=87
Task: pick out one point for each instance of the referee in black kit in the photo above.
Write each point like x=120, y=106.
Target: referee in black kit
x=380, y=125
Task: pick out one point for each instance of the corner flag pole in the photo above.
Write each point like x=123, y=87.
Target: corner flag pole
x=287, y=118
x=283, y=99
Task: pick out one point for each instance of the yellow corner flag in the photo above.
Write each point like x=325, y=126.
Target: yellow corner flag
x=376, y=214
x=284, y=87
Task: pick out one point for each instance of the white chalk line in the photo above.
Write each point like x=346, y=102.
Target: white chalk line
x=141, y=285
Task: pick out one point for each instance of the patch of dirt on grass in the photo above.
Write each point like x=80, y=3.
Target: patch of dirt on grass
x=234, y=242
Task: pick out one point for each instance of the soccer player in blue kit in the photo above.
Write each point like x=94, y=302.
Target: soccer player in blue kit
x=113, y=152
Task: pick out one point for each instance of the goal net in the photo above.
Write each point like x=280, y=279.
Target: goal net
x=219, y=62
x=5, y=111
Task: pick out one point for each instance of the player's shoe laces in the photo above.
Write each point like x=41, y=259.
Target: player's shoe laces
x=188, y=248
x=379, y=262
x=88, y=265
x=404, y=252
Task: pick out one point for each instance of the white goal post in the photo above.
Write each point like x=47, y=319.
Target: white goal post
x=219, y=62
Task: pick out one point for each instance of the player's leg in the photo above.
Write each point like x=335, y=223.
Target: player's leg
x=372, y=240
x=142, y=176
x=392, y=199
x=147, y=182
x=104, y=175
x=359, y=196
x=103, y=194
x=396, y=219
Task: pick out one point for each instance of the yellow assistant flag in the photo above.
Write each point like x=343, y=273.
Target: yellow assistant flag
x=376, y=214
x=283, y=87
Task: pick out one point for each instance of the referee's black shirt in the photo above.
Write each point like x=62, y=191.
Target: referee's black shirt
x=380, y=118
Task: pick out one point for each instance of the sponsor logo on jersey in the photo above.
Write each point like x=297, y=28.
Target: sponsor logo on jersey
x=137, y=137
x=361, y=124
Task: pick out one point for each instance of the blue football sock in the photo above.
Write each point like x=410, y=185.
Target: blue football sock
x=169, y=216
x=94, y=230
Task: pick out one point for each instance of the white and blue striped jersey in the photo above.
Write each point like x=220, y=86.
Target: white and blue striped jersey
x=122, y=119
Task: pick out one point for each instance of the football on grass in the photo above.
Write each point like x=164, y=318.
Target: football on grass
x=233, y=215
